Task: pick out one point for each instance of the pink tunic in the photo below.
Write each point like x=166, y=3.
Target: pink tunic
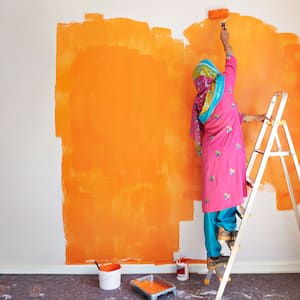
x=223, y=153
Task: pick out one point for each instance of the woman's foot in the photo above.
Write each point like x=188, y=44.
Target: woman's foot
x=227, y=236
x=215, y=262
x=224, y=235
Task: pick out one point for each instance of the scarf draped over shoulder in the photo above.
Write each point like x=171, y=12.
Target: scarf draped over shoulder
x=209, y=82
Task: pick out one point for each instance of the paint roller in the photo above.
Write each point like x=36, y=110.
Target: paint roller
x=219, y=14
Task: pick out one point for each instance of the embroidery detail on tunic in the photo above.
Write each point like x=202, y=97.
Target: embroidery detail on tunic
x=226, y=196
x=231, y=171
x=216, y=116
x=230, y=90
x=233, y=105
x=212, y=178
x=206, y=201
x=218, y=153
x=238, y=146
x=228, y=128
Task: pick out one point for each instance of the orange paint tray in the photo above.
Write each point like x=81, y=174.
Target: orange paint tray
x=152, y=286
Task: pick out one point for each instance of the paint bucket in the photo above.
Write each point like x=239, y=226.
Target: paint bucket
x=182, y=268
x=109, y=276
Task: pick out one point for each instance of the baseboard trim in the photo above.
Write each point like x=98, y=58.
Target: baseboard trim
x=238, y=268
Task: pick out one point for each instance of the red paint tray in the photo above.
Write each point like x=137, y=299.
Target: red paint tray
x=152, y=286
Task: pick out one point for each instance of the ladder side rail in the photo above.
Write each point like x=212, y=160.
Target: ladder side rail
x=272, y=104
x=236, y=246
x=289, y=184
x=292, y=148
x=247, y=212
x=251, y=198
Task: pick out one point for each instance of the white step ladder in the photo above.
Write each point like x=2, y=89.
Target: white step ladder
x=277, y=106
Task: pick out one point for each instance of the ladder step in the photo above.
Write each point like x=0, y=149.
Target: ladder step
x=274, y=153
x=250, y=182
x=240, y=211
x=259, y=151
x=271, y=122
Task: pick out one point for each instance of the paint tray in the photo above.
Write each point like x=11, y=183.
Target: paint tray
x=152, y=286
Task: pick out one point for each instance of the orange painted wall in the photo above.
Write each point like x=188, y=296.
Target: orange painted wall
x=123, y=102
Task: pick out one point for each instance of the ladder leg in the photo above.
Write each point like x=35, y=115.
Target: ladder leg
x=219, y=270
x=289, y=184
x=235, y=248
x=208, y=277
x=292, y=148
x=220, y=273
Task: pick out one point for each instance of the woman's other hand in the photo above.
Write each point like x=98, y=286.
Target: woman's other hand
x=257, y=118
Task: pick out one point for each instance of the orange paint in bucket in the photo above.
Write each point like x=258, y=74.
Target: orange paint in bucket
x=109, y=276
x=182, y=269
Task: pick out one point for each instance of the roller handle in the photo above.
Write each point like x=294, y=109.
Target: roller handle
x=97, y=266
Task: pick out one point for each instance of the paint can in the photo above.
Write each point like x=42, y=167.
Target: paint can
x=182, y=268
x=109, y=276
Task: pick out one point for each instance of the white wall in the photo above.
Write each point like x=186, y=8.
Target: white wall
x=31, y=226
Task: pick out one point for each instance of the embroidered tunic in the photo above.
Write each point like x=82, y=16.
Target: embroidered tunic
x=223, y=152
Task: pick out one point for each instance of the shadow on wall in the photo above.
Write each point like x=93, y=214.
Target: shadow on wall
x=123, y=105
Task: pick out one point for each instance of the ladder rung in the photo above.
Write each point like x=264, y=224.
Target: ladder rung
x=271, y=122
x=274, y=153
x=259, y=151
x=280, y=153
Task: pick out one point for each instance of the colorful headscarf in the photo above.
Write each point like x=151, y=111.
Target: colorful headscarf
x=209, y=83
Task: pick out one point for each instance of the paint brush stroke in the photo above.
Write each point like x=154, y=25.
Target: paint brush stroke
x=123, y=121
x=123, y=101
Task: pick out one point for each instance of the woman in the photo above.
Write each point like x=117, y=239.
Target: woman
x=216, y=130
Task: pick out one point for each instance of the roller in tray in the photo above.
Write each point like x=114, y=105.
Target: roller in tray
x=152, y=286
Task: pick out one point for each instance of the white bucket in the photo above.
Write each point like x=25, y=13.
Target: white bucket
x=109, y=276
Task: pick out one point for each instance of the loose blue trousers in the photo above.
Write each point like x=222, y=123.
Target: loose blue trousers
x=225, y=218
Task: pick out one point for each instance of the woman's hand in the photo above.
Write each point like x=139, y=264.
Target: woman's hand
x=224, y=35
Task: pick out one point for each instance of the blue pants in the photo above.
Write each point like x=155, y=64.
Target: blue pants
x=212, y=221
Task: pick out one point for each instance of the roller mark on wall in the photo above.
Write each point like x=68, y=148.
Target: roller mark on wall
x=123, y=102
